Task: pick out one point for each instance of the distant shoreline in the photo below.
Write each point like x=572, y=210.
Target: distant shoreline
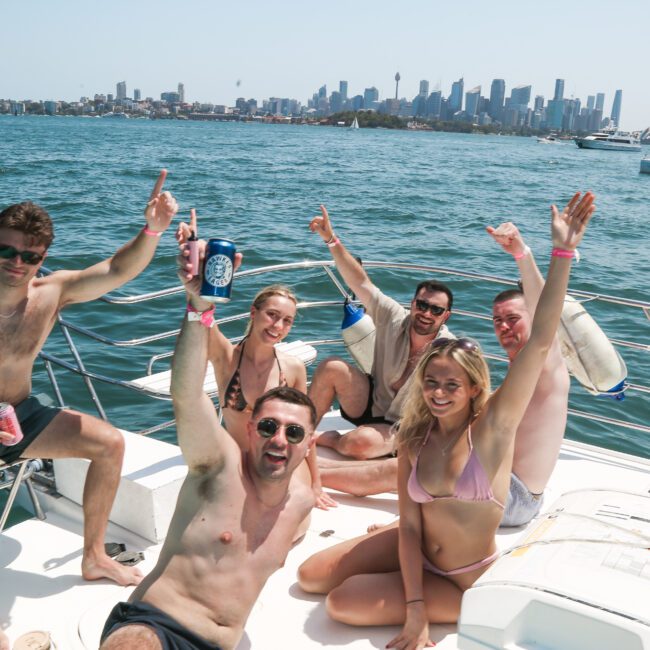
x=389, y=122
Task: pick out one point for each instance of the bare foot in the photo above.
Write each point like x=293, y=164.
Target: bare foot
x=4, y=641
x=105, y=567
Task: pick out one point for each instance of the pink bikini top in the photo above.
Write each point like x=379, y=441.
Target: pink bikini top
x=472, y=484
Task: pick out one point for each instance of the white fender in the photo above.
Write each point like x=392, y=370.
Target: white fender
x=589, y=355
x=358, y=332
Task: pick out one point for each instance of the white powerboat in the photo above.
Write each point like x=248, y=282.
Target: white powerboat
x=611, y=140
x=576, y=577
x=551, y=138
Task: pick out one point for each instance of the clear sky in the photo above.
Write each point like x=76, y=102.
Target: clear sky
x=220, y=50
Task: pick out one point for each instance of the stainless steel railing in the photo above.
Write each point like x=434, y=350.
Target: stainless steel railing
x=78, y=367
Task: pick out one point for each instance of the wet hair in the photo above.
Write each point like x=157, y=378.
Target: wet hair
x=30, y=219
x=432, y=285
x=417, y=417
x=268, y=292
x=288, y=395
x=508, y=294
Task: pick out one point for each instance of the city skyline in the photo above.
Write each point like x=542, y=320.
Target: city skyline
x=256, y=51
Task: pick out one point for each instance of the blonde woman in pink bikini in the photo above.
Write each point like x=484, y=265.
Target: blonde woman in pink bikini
x=456, y=442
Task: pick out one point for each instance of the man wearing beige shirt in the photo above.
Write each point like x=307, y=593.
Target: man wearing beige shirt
x=373, y=402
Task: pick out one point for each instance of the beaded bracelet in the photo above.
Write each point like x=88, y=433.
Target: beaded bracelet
x=151, y=233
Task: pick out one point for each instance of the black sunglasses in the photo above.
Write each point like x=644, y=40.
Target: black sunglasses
x=268, y=427
x=28, y=257
x=464, y=344
x=423, y=305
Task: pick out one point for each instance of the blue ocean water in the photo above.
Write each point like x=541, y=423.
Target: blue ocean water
x=417, y=197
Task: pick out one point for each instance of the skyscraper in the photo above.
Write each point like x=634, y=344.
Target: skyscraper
x=591, y=102
x=497, y=96
x=137, y=95
x=181, y=92
x=434, y=104
x=472, y=98
x=559, y=90
x=343, y=89
x=520, y=96
x=456, y=97
x=120, y=90
x=600, y=102
x=539, y=102
x=616, y=108
x=424, y=87
x=370, y=97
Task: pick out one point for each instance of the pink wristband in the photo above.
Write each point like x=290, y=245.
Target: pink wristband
x=206, y=318
x=519, y=256
x=561, y=252
x=334, y=242
x=151, y=233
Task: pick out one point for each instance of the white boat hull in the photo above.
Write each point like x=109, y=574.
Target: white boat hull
x=584, y=143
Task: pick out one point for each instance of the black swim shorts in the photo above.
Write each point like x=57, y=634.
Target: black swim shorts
x=366, y=417
x=34, y=414
x=171, y=634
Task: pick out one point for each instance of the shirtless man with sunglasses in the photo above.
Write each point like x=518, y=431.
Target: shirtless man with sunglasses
x=29, y=306
x=238, y=512
x=374, y=402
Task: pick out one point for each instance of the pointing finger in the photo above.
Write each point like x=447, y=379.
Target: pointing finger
x=157, y=188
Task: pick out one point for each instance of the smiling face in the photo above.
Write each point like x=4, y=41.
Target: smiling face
x=512, y=324
x=14, y=272
x=275, y=458
x=423, y=321
x=446, y=387
x=273, y=319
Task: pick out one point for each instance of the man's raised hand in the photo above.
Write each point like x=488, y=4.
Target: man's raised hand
x=321, y=225
x=509, y=238
x=162, y=206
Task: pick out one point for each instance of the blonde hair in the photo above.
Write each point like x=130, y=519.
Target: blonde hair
x=417, y=417
x=268, y=292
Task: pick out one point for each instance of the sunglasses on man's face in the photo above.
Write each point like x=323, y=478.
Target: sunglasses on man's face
x=268, y=427
x=28, y=257
x=423, y=305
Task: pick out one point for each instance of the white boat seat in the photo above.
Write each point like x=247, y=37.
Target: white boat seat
x=160, y=382
x=12, y=475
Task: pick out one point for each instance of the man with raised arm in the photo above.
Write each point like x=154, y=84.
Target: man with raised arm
x=238, y=512
x=373, y=402
x=29, y=306
x=541, y=430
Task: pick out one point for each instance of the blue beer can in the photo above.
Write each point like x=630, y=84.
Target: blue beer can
x=218, y=270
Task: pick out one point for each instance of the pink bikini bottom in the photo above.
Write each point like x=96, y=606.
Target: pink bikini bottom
x=464, y=569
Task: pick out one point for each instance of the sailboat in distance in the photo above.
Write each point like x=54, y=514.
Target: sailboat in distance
x=355, y=123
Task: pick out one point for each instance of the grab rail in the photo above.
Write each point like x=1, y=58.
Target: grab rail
x=89, y=376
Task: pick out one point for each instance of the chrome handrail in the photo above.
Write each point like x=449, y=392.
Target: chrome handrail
x=325, y=265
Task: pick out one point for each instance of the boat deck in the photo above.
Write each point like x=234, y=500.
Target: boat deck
x=41, y=563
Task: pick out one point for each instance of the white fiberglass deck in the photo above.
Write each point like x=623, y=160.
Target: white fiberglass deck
x=42, y=587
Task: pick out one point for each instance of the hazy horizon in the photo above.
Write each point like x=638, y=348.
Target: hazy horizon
x=290, y=49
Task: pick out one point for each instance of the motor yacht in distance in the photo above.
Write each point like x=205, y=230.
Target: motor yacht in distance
x=551, y=138
x=612, y=140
